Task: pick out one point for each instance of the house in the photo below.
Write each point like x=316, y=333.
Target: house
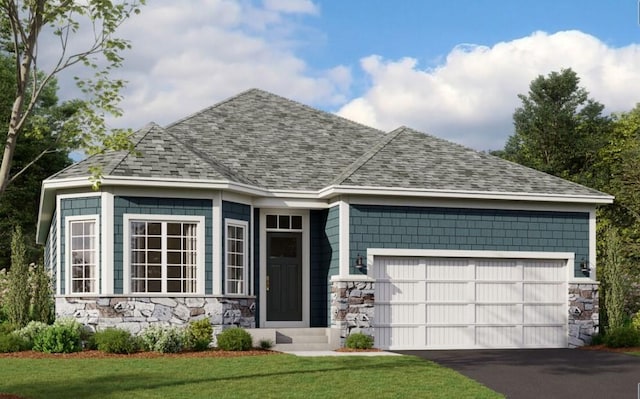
x=265, y=213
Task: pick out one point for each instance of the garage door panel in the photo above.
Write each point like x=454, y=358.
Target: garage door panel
x=400, y=269
x=499, y=292
x=449, y=291
x=545, y=337
x=402, y=290
x=544, y=314
x=400, y=337
x=544, y=292
x=499, y=336
x=449, y=269
x=450, y=314
x=498, y=270
x=400, y=313
x=499, y=314
x=544, y=271
x=448, y=337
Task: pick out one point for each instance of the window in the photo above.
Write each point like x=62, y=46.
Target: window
x=164, y=256
x=236, y=257
x=83, y=256
x=284, y=222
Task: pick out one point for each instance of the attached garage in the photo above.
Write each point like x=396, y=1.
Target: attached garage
x=470, y=299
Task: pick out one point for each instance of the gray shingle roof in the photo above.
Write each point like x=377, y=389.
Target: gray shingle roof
x=267, y=141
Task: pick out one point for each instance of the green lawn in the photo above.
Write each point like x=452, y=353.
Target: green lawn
x=273, y=376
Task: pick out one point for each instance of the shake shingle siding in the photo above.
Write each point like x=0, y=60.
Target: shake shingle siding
x=468, y=229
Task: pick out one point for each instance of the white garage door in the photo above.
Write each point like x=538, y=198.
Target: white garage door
x=447, y=303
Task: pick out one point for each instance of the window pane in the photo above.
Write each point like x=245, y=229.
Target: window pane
x=296, y=222
x=154, y=257
x=174, y=243
x=174, y=286
x=174, y=258
x=77, y=229
x=154, y=243
x=174, y=229
x=139, y=271
x=154, y=229
x=283, y=222
x=138, y=228
x=154, y=286
x=76, y=272
x=138, y=257
x=154, y=272
x=138, y=243
x=138, y=286
x=272, y=222
x=173, y=272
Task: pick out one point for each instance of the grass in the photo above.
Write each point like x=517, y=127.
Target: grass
x=274, y=376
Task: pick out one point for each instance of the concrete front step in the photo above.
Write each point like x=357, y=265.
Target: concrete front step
x=302, y=347
x=298, y=339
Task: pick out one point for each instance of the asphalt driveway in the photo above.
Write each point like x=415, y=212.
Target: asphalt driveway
x=545, y=373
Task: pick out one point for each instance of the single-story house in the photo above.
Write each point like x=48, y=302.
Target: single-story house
x=265, y=213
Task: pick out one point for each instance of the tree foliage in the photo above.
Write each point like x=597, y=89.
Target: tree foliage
x=558, y=128
x=22, y=23
x=18, y=297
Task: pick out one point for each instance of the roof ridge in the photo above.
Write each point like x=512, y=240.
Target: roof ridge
x=148, y=127
x=210, y=160
x=203, y=110
x=364, y=158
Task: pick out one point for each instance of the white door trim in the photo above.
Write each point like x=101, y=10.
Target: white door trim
x=305, y=322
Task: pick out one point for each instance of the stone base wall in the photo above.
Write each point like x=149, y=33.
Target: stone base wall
x=352, y=307
x=583, y=313
x=137, y=313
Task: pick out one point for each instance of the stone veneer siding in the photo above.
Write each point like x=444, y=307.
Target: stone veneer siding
x=353, y=310
x=374, y=226
x=137, y=313
x=81, y=206
x=352, y=307
x=584, y=306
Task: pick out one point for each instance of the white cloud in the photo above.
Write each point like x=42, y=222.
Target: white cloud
x=471, y=96
x=188, y=55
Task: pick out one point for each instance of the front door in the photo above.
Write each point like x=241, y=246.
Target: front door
x=284, y=276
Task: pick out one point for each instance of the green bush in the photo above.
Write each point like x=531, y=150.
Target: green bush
x=622, y=337
x=597, y=339
x=115, y=340
x=199, y=335
x=29, y=332
x=359, y=341
x=235, y=339
x=8, y=327
x=163, y=339
x=64, y=336
x=266, y=344
x=12, y=343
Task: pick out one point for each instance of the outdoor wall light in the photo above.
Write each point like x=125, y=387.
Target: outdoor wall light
x=584, y=267
x=359, y=263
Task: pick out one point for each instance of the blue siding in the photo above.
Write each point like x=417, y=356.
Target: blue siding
x=467, y=229
x=84, y=206
x=160, y=206
x=324, y=236
x=237, y=211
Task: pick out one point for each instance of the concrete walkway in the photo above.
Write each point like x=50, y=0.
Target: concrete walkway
x=334, y=353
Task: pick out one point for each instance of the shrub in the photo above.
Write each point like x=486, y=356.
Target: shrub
x=42, y=304
x=29, y=332
x=115, y=340
x=597, y=339
x=64, y=336
x=164, y=340
x=18, y=296
x=8, y=327
x=266, y=344
x=622, y=337
x=199, y=335
x=359, y=341
x=12, y=343
x=235, y=339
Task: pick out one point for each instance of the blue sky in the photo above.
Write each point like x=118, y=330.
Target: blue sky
x=448, y=68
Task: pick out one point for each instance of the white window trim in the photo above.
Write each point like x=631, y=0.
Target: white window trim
x=127, y=218
x=67, y=255
x=245, y=225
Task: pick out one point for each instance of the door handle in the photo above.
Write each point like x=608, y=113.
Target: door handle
x=267, y=283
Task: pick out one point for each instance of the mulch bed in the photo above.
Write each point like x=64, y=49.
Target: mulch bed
x=607, y=349
x=93, y=354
